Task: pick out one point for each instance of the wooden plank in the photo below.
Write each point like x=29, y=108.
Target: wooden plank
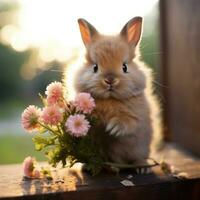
x=181, y=70
x=74, y=184
x=163, y=72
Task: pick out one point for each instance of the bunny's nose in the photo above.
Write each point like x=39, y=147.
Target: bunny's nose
x=110, y=80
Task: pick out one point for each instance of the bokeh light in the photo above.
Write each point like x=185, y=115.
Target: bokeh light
x=52, y=27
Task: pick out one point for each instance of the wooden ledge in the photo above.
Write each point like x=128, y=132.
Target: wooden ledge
x=73, y=184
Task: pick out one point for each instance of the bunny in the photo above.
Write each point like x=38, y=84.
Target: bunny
x=121, y=85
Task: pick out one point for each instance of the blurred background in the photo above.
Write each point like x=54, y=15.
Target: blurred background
x=40, y=39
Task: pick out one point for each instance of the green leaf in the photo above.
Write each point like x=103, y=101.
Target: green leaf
x=42, y=142
x=39, y=147
x=46, y=172
x=42, y=130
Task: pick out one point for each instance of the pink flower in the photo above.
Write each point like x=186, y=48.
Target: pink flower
x=52, y=115
x=30, y=118
x=28, y=166
x=54, y=93
x=77, y=125
x=84, y=102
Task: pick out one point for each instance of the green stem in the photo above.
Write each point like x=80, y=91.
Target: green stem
x=156, y=162
x=60, y=130
x=48, y=128
x=126, y=166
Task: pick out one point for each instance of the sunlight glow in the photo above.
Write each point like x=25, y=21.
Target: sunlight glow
x=51, y=27
x=71, y=69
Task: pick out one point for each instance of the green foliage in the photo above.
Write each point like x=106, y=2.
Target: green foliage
x=42, y=142
x=14, y=148
x=10, y=72
x=67, y=149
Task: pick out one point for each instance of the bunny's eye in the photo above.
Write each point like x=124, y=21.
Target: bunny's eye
x=95, y=68
x=125, y=68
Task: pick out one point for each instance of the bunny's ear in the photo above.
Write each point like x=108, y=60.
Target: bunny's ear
x=88, y=32
x=131, y=32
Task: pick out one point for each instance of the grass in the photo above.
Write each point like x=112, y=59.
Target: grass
x=13, y=149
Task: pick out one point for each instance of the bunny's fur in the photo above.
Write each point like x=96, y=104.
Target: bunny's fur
x=127, y=115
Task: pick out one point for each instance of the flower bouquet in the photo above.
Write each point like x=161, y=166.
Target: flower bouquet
x=62, y=129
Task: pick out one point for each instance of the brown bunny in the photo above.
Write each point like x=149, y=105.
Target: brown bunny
x=121, y=86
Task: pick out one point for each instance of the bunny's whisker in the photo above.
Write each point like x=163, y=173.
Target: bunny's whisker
x=153, y=53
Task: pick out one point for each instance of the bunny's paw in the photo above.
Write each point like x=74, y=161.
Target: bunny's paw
x=115, y=128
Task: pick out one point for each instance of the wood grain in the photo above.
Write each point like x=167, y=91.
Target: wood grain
x=74, y=184
x=180, y=23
